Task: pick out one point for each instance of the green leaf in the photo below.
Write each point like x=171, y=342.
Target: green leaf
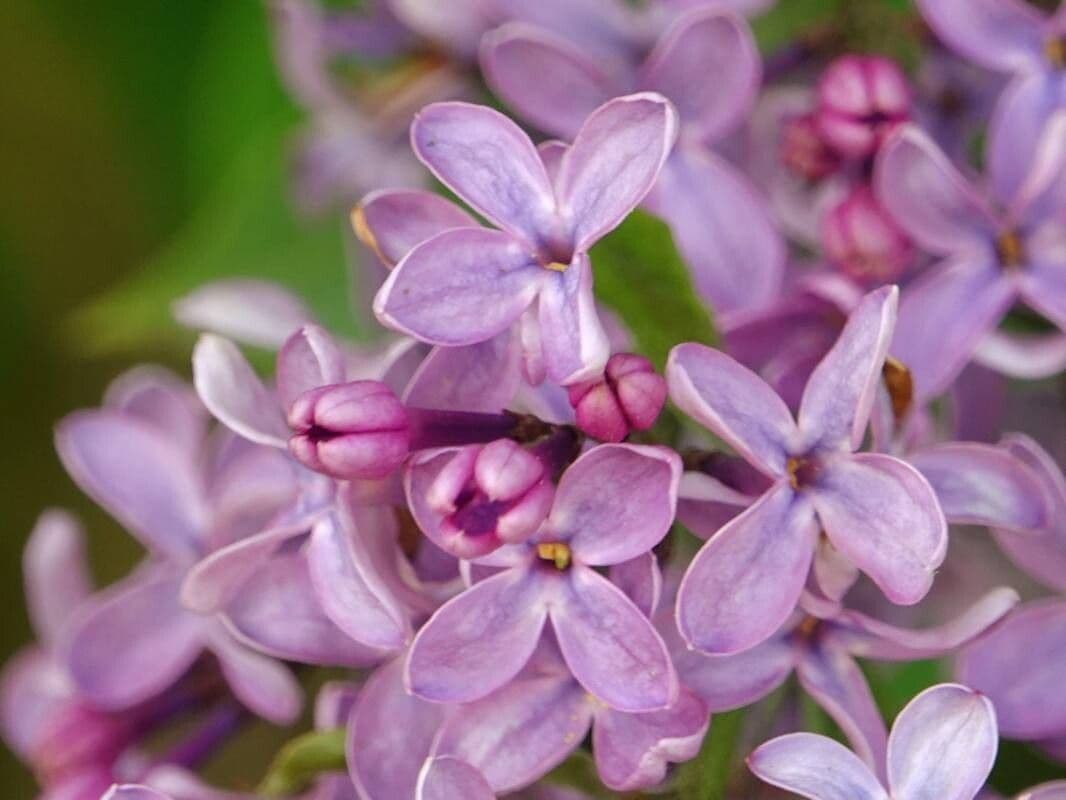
x=579, y=772
x=640, y=275
x=302, y=759
x=705, y=777
x=787, y=20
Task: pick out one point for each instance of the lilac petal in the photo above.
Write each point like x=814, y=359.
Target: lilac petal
x=479, y=377
x=260, y=683
x=161, y=398
x=1018, y=120
x=641, y=580
x=446, y=778
x=816, y=767
x=145, y=481
x=233, y=393
x=834, y=680
x=255, y=312
x=1019, y=665
x=133, y=641
x=181, y=784
x=131, y=791
x=615, y=502
x=395, y=220
x=1042, y=196
x=33, y=687
x=745, y=581
x=56, y=573
x=334, y=704
x=836, y=404
x=610, y=647
x=734, y=403
x=613, y=163
x=479, y=640
x=833, y=574
x=942, y=745
x=457, y=26
x=927, y=196
x=573, y=342
x=551, y=153
x=1029, y=357
x=1004, y=35
x=277, y=613
x=1055, y=790
x=978, y=484
x=705, y=504
x=882, y=515
x=1044, y=285
x=309, y=359
x=569, y=86
x=973, y=284
x=519, y=733
x=488, y=161
x=461, y=287
x=633, y=750
x=706, y=42
x=722, y=228
x=390, y=733
x=729, y=682
x=870, y=638
x=353, y=595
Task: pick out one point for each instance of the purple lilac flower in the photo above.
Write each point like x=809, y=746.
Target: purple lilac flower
x=627, y=398
x=991, y=258
x=861, y=99
x=877, y=511
x=468, y=285
x=942, y=745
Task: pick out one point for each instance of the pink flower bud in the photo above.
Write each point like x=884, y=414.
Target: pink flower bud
x=629, y=397
x=349, y=430
x=860, y=238
x=804, y=151
x=860, y=100
x=77, y=737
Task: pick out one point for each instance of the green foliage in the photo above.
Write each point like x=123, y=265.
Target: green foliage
x=302, y=759
x=640, y=276
x=705, y=777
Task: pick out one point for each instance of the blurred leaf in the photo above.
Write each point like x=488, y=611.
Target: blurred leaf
x=705, y=776
x=302, y=759
x=1019, y=766
x=579, y=772
x=895, y=685
x=640, y=276
x=789, y=19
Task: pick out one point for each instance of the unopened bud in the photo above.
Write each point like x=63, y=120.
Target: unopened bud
x=628, y=397
x=860, y=238
x=860, y=100
x=804, y=151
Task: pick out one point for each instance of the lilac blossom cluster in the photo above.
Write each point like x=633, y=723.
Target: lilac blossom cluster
x=480, y=516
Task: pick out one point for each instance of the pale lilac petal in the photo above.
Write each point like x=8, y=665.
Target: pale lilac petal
x=461, y=287
x=521, y=732
x=815, y=767
x=1055, y=790
x=615, y=502
x=746, y=580
x=390, y=733
x=1029, y=357
x=131, y=791
x=632, y=751
x=56, y=573
x=840, y=393
x=260, y=683
x=478, y=377
x=181, y=784
x=353, y=595
x=705, y=504
x=158, y=396
x=551, y=153
x=641, y=580
x=488, y=161
x=978, y=288
x=978, y=484
x=145, y=481
x=569, y=85
x=834, y=680
x=456, y=26
x=1005, y=35
x=734, y=403
x=254, y=312
x=1042, y=195
x=446, y=778
x=610, y=647
x=613, y=163
x=882, y=515
x=133, y=641
x=942, y=745
x=722, y=228
x=572, y=339
x=33, y=686
x=1020, y=665
x=701, y=44
x=833, y=574
x=729, y=682
x=309, y=358
x=1018, y=120
x=870, y=638
x=928, y=197
x=479, y=640
x=1043, y=286
x=393, y=221
x=234, y=394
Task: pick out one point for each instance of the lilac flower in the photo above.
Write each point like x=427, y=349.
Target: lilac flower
x=877, y=511
x=467, y=285
x=444, y=778
x=628, y=397
x=614, y=503
x=718, y=220
x=130, y=791
x=990, y=259
x=942, y=745
x=861, y=99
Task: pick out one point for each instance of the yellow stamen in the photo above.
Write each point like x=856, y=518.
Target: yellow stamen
x=1055, y=50
x=900, y=385
x=363, y=233
x=1010, y=250
x=792, y=466
x=556, y=266
x=556, y=552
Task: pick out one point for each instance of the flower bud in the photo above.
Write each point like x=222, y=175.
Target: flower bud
x=804, y=151
x=76, y=737
x=860, y=238
x=628, y=397
x=860, y=100
x=349, y=430
x=490, y=495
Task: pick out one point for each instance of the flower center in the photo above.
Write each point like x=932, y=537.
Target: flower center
x=801, y=471
x=1055, y=50
x=556, y=552
x=900, y=385
x=1010, y=250
x=556, y=266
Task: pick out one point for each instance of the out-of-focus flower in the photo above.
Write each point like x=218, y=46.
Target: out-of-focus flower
x=861, y=99
x=860, y=238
